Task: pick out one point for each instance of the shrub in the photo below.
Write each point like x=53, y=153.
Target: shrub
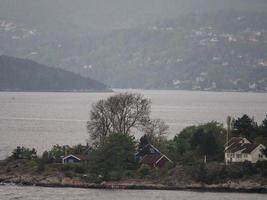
x=129, y=174
x=79, y=169
x=234, y=171
x=40, y=166
x=8, y=169
x=248, y=168
x=67, y=167
x=156, y=173
x=69, y=174
x=201, y=173
x=93, y=178
x=46, y=158
x=115, y=175
x=262, y=168
x=144, y=171
x=76, y=168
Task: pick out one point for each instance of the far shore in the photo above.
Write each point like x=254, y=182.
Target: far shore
x=138, y=89
x=60, y=91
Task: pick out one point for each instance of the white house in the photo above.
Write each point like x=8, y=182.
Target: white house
x=240, y=149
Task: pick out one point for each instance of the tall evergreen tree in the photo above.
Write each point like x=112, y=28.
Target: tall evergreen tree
x=245, y=127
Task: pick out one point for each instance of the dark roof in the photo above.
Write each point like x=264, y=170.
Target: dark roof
x=82, y=157
x=250, y=148
x=234, y=140
x=148, y=149
x=243, y=147
x=236, y=147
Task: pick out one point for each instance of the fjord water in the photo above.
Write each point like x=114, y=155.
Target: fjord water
x=42, y=119
x=33, y=193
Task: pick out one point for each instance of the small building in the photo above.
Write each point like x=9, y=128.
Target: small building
x=240, y=149
x=151, y=156
x=155, y=160
x=148, y=149
x=74, y=159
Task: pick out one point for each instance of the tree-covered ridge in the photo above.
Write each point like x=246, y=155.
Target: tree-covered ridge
x=26, y=75
x=223, y=50
x=218, y=51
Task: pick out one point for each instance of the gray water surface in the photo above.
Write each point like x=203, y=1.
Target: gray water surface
x=38, y=193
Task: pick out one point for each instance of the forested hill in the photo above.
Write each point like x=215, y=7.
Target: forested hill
x=224, y=50
x=26, y=75
x=171, y=44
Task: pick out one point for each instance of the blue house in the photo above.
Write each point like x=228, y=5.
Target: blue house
x=74, y=159
x=148, y=149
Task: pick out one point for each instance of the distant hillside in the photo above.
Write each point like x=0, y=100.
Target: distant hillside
x=26, y=75
x=225, y=50
x=219, y=48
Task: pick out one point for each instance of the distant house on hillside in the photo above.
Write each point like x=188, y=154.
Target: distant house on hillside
x=151, y=156
x=240, y=149
x=74, y=159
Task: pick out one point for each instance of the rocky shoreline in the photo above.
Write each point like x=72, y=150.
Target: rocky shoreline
x=242, y=187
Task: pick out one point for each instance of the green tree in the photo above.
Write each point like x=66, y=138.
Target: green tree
x=245, y=127
x=23, y=153
x=201, y=173
x=115, y=154
x=206, y=139
x=78, y=149
x=144, y=140
x=205, y=143
x=263, y=127
x=57, y=152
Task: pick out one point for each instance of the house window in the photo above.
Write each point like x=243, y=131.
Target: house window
x=228, y=155
x=245, y=155
x=260, y=156
x=238, y=156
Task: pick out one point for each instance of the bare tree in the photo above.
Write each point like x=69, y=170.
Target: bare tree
x=118, y=114
x=155, y=128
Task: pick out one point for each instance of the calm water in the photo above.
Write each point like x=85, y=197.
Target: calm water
x=42, y=119
x=33, y=193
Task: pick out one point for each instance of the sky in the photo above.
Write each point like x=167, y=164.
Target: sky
x=110, y=14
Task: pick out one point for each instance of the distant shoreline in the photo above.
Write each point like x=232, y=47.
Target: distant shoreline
x=210, y=91
x=132, y=89
x=58, y=91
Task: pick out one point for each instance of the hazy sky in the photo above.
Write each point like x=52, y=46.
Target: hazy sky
x=110, y=14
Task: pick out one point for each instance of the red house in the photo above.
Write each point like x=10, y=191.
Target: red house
x=158, y=161
x=150, y=155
